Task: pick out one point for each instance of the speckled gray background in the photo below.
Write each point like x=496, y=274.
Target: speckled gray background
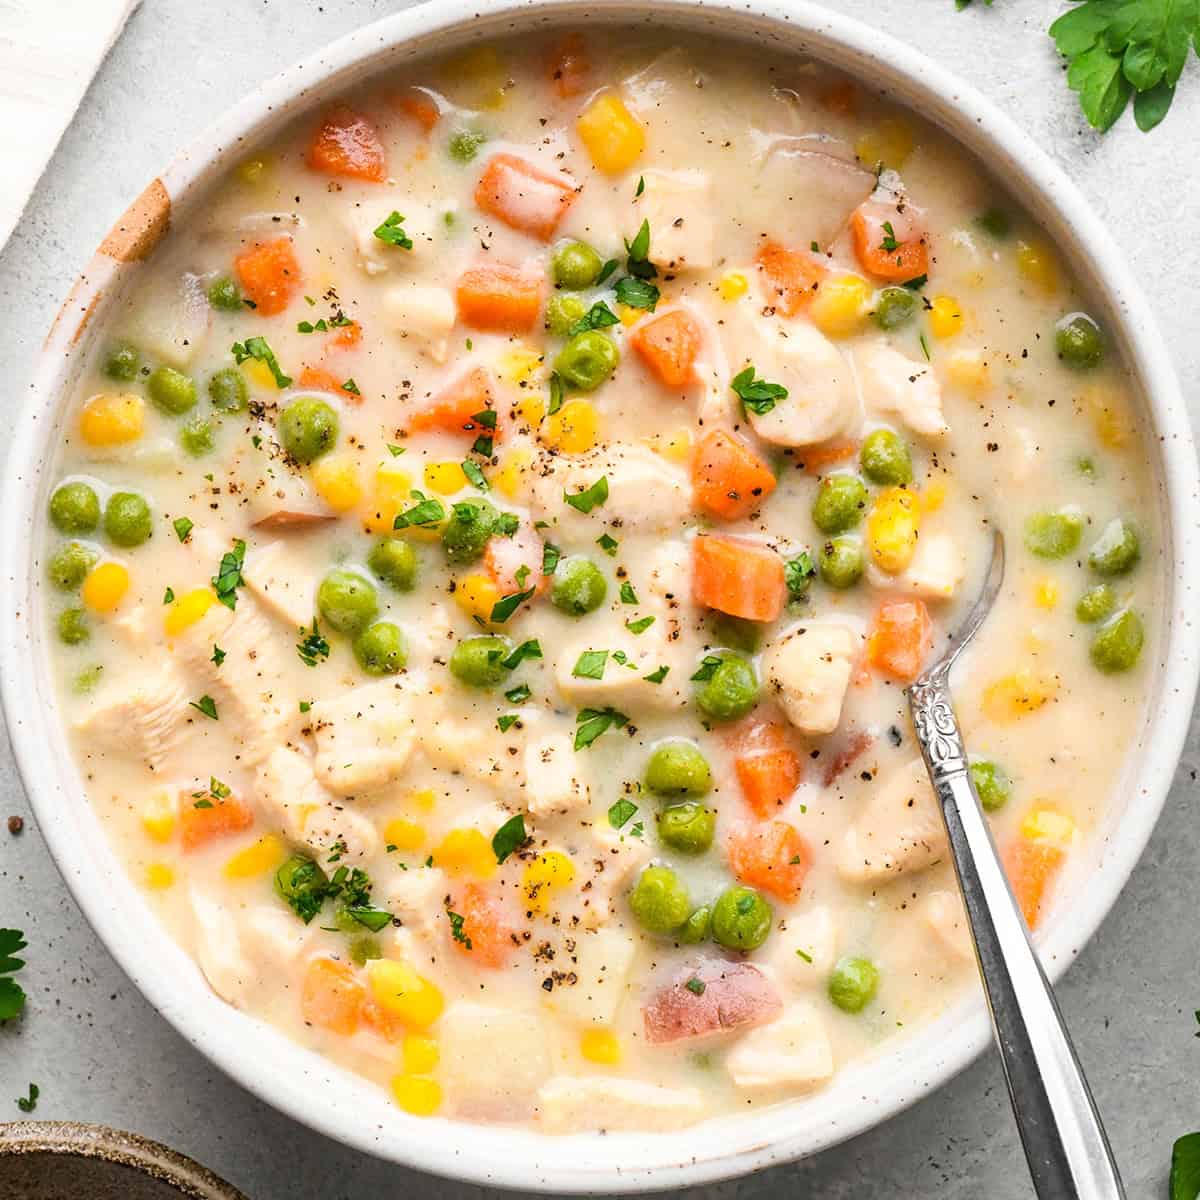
x=97, y=1049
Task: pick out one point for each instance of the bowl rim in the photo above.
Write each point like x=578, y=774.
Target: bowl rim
x=244, y=1047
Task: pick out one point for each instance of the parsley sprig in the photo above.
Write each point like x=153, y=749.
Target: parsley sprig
x=12, y=995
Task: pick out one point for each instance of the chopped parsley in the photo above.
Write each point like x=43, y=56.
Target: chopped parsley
x=889, y=238
x=169, y=596
x=391, y=232
x=257, y=348
x=757, y=395
x=229, y=574
x=707, y=669
x=1184, y=1183
x=506, y=525
x=368, y=917
x=529, y=649
x=590, y=497
x=599, y=316
x=556, y=393
x=505, y=721
x=509, y=837
x=507, y=605
x=207, y=705
x=427, y=511
x=641, y=186
x=394, y=450
x=925, y=349
x=351, y=387
x=637, y=293
x=183, y=526
x=916, y=283
x=590, y=723
x=12, y=995
x=657, y=675
x=696, y=986
x=800, y=954
x=608, y=544
x=475, y=477
x=218, y=655
x=637, y=261
x=305, y=706
x=798, y=574
x=313, y=647
x=28, y=1103
x=456, y=929
x=605, y=271
x=640, y=625
x=550, y=556
x=620, y=813
x=628, y=595
x=590, y=664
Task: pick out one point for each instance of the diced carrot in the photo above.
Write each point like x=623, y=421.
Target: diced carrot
x=793, y=277
x=485, y=934
x=728, y=479
x=771, y=856
x=214, y=818
x=668, y=345
x=269, y=275
x=322, y=380
x=347, y=337
x=817, y=458
x=767, y=767
x=505, y=556
x=570, y=66
x=389, y=1026
x=499, y=299
x=841, y=97
x=331, y=996
x=1031, y=867
x=347, y=143
x=738, y=577
x=419, y=105
x=900, y=639
x=899, y=255
x=522, y=196
x=453, y=408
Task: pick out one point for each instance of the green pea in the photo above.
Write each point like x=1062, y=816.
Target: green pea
x=853, y=984
x=995, y=222
x=731, y=691
x=579, y=587
x=562, y=311
x=227, y=390
x=1079, y=341
x=479, y=661
x=587, y=360
x=172, y=390
x=841, y=562
x=364, y=949
x=465, y=535
x=1095, y=604
x=346, y=601
x=74, y=508
x=394, y=561
x=992, y=783
x=224, y=294
x=1053, y=534
x=1118, y=642
x=464, y=144
x=736, y=632
x=122, y=362
x=127, y=519
x=895, y=306
x=678, y=768
x=70, y=564
x=741, y=919
x=575, y=265
x=1117, y=549
x=839, y=503
x=885, y=458
x=196, y=437
x=696, y=928
x=380, y=649
x=308, y=427
x=659, y=900
x=687, y=827
x=73, y=626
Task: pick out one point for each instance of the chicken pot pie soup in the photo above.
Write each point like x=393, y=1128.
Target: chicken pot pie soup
x=493, y=537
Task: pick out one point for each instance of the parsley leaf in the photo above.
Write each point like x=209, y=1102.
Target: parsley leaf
x=637, y=293
x=391, y=233
x=394, y=450
x=507, y=605
x=229, y=574
x=657, y=675
x=12, y=995
x=425, y=512
x=183, y=526
x=605, y=271
x=889, y=238
x=550, y=556
x=505, y=721
x=590, y=664
x=637, y=261
x=474, y=475
x=590, y=723
x=599, y=316
x=798, y=574
x=620, y=813
x=696, y=986
x=801, y=954
x=757, y=395
x=257, y=348
x=608, y=544
x=628, y=595
x=351, y=387
x=1185, y=1168
x=509, y=837
x=529, y=649
x=169, y=595
x=590, y=497
x=28, y=1103
x=207, y=705
x=456, y=929
x=313, y=647
x=640, y=625
x=556, y=393
x=707, y=669
x=218, y=655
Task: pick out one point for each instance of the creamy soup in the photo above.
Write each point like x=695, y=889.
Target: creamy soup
x=489, y=547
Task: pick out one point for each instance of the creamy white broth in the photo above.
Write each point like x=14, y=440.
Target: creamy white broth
x=555, y=1031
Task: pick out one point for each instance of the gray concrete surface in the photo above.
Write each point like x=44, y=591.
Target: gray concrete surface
x=97, y=1049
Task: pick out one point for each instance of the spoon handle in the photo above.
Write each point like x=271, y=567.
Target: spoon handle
x=1065, y=1144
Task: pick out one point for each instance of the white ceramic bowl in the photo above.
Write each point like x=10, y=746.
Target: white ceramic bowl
x=343, y=1106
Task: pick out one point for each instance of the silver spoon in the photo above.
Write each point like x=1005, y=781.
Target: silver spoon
x=1065, y=1144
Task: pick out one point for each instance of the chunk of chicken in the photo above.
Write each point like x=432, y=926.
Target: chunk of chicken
x=573, y=1103
x=416, y=897
x=943, y=912
x=493, y=1060
x=897, y=831
x=218, y=948
x=820, y=179
x=896, y=386
x=624, y=685
x=142, y=718
x=476, y=751
x=365, y=737
x=554, y=776
x=734, y=995
x=646, y=494
x=273, y=937
x=808, y=670
x=678, y=206
x=170, y=318
x=597, y=964
x=286, y=590
x=422, y=315
x=374, y=255
x=275, y=497
x=615, y=859
x=793, y=1050
x=804, y=950
x=936, y=569
x=821, y=403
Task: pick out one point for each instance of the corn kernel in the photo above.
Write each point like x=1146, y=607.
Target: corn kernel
x=105, y=587
x=969, y=370
x=256, y=859
x=890, y=143
x=676, y=447
x=187, y=610
x=112, y=420
x=253, y=170
x=629, y=315
x=420, y=1053
x=445, y=478
x=1109, y=414
x=417, y=1095
x=932, y=498
x=600, y=1046
x=840, y=304
x=1017, y=695
x=404, y=834
x=573, y=429
x=946, y=317
x=402, y=993
x=390, y=494
x=159, y=876
x=509, y=478
x=158, y=817
x=476, y=595
x=423, y=799
x=259, y=374
x=519, y=365
x=336, y=481
x=1047, y=593
x=1036, y=262
x=733, y=286
x=477, y=78
x=530, y=410
x=1047, y=825
x=611, y=133
x=892, y=526
x=548, y=873
x=466, y=852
